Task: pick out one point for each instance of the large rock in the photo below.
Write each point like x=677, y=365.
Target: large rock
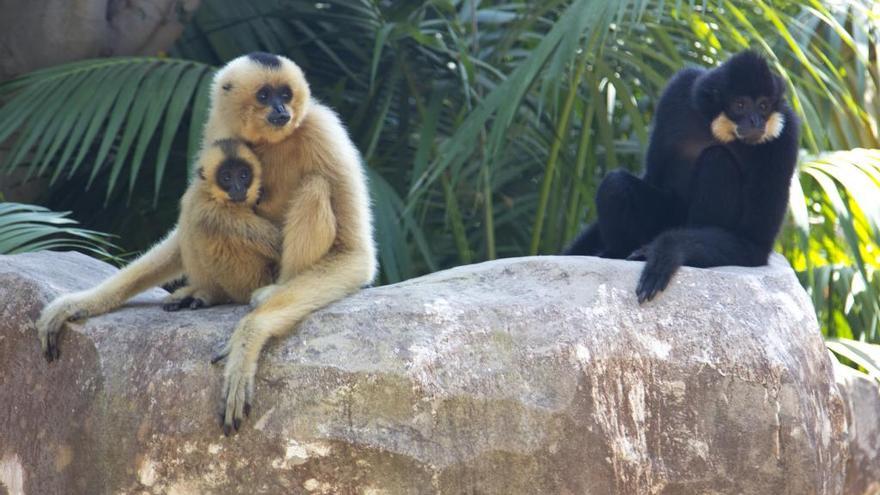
x=39, y=33
x=862, y=398
x=531, y=375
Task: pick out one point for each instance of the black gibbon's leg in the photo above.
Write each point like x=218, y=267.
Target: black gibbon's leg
x=716, y=191
x=631, y=213
x=587, y=243
x=701, y=247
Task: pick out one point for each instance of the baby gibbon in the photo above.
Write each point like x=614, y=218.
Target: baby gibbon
x=228, y=251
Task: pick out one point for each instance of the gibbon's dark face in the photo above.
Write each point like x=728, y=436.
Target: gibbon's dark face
x=276, y=99
x=234, y=176
x=745, y=100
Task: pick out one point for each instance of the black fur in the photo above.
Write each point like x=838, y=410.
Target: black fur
x=265, y=59
x=701, y=202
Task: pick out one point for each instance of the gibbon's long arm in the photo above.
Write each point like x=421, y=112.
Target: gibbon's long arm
x=332, y=278
x=161, y=264
x=701, y=247
x=309, y=229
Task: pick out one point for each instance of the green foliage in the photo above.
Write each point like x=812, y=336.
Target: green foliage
x=26, y=228
x=485, y=125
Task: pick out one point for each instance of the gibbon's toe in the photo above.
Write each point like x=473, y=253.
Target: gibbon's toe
x=197, y=303
x=178, y=304
x=639, y=254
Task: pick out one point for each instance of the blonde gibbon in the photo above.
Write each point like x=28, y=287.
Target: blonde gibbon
x=314, y=190
x=228, y=251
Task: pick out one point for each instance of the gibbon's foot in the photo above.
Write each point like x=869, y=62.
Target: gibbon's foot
x=260, y=295
x=187, y=302
x=639, y=254
x=655, y=277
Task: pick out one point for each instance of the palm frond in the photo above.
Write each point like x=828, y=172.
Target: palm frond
x=107, y=112
x=25, y=228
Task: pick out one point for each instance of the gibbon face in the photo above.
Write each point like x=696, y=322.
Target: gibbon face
x=231, y=172
x=746, y=99
x=263, y=97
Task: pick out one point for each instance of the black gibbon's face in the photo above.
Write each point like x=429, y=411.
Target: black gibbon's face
x=234, y=176
x=745, y=99
x=750, y=117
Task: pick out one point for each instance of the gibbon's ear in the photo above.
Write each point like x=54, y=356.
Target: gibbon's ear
x=260, y=192
x=202, y=173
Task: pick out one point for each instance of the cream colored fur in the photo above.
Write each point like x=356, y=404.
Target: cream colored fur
x=228, y=250
x=314, y=190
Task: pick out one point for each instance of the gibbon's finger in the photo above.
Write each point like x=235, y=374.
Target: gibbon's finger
x=222, y=353
x=232, y=414
x=51, y=351
x=196, y=303
x=248, y=397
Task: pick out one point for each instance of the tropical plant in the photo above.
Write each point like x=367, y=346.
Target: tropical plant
x=25, y=228
x=485, y=125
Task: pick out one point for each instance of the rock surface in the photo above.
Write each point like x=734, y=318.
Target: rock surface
x=39, y=33
x=862, y=398
x=531, y=375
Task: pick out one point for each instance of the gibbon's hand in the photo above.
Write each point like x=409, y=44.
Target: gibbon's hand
x=658, y=271
x=52, y=320
x=238, y=380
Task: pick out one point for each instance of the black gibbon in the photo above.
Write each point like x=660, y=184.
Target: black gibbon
x=228, y=251
x=716, y=185
x=314, y=190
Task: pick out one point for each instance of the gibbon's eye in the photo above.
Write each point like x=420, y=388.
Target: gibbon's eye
x=226, y=177
x=263, y=95
x=739, y=105
x=764, y=106
x=286, y=94
x=245, y=175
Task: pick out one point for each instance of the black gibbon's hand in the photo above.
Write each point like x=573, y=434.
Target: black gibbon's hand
x=661, y=263
x=655, y=277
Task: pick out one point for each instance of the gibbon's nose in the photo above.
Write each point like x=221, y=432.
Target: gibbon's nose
x=751, y=134
x=279, y=116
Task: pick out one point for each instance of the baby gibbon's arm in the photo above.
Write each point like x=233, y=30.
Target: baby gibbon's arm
x=161, y=264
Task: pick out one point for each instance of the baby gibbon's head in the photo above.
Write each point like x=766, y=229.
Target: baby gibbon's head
x=231, y=172
x=261, y=96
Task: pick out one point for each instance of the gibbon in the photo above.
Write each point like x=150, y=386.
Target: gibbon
x=228, y=251
x=718, y=170
x=314, y=190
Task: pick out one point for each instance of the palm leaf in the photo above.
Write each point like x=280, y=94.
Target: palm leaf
x=25, y=228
